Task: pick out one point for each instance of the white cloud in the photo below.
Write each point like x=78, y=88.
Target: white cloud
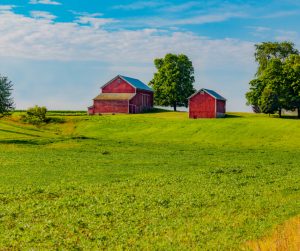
x=140, y=5
x=29, y=37
x=282, y=14
x=6, y=8
x=48, y=2
x=42, y=15
x=181, y=7
x=95, y=22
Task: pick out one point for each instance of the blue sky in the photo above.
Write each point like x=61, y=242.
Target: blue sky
x=59, y=52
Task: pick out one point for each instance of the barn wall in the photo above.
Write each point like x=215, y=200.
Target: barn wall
x=110, y=106
x=142, y=101
x=221, y=107
x=202, y=105
x=118, y=86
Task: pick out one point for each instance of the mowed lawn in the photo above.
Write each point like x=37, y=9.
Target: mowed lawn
x=156, y=181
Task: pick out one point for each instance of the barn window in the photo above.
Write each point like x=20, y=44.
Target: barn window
x=202, y=92
x=119, y=80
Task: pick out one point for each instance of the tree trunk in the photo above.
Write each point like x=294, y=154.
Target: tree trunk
x=175, y=106
x=298, y=112
x=279, y=112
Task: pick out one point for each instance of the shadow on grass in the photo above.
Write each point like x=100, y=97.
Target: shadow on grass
x=157, y=110
x=232, y=116
x=16, y=132
x=20, y=142
x=55, y=120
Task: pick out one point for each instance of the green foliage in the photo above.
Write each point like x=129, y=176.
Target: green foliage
x=36, y=115
x=6, y=101
x=277, y=84
x=151, y=181
x=173, y=82
x=269, y=101
x=267, y=51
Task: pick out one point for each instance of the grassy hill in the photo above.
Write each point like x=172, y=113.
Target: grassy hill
x=150, y=181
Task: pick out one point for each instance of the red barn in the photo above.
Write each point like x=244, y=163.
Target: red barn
x=123, y=95
x=206, y=104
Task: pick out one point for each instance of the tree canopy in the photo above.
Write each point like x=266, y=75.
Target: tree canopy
x=173, y=81
x=267, y=51
x=6, y=101
x=277, y=82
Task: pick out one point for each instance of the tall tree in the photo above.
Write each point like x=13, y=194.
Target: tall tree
x=6, y=101
x=274, y=79
x=292, y=72
x=266, y=51
x=277, y=73
x=173, y=82
x=269, y=101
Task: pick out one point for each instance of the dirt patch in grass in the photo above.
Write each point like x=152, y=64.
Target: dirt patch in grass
x=286, y=237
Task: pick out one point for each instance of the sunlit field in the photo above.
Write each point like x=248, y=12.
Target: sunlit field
x=155, y=181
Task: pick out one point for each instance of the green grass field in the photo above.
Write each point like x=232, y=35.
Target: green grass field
x=156, y=181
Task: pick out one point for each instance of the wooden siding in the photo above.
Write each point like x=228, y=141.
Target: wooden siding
x=221, y=106
x=202, y=105
x=142, y=101
x=110, y=106
x=118, y=86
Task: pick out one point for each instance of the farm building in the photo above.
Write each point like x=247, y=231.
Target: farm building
x=206, y=104
x=123, y=95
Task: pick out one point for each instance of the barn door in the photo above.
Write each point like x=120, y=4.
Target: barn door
x=132, y=109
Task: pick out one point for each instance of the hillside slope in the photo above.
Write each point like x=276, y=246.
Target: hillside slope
x=150, y=181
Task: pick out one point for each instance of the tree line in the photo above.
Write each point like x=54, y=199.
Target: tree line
x=276, y=85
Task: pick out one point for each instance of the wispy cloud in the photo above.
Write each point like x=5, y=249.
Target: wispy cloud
x=42, y=15
x=140, y=5
x=48, y=2
x=181, y=7
x=196, y=19
x=6, y=7
x=282, y=14
x=268, y=33
x=95, y=22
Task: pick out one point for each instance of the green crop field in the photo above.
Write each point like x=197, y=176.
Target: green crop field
x=156, y=181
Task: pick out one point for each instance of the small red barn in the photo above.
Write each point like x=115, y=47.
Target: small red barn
x=123, y=95
x=206, y=104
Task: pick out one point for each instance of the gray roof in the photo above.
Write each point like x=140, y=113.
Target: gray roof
x=211, y=93
x=214, y=94
x=136, y=83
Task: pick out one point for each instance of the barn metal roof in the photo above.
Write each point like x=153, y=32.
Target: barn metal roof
x=211, y=93
x=115, y=96
x=214, y=94
x=136, y=83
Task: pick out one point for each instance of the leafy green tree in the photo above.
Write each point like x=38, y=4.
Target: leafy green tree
x=292, y=71
x=173, y=82
x=253, y=96
x=269, y=101
x=267, y=51
x=274, y=79
x=6, y=100
x=278, y=71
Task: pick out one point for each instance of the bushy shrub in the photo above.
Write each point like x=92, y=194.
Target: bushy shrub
x=35, y=115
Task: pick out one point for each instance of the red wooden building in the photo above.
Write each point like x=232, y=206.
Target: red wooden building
x=206, y=104
x=123, y=95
